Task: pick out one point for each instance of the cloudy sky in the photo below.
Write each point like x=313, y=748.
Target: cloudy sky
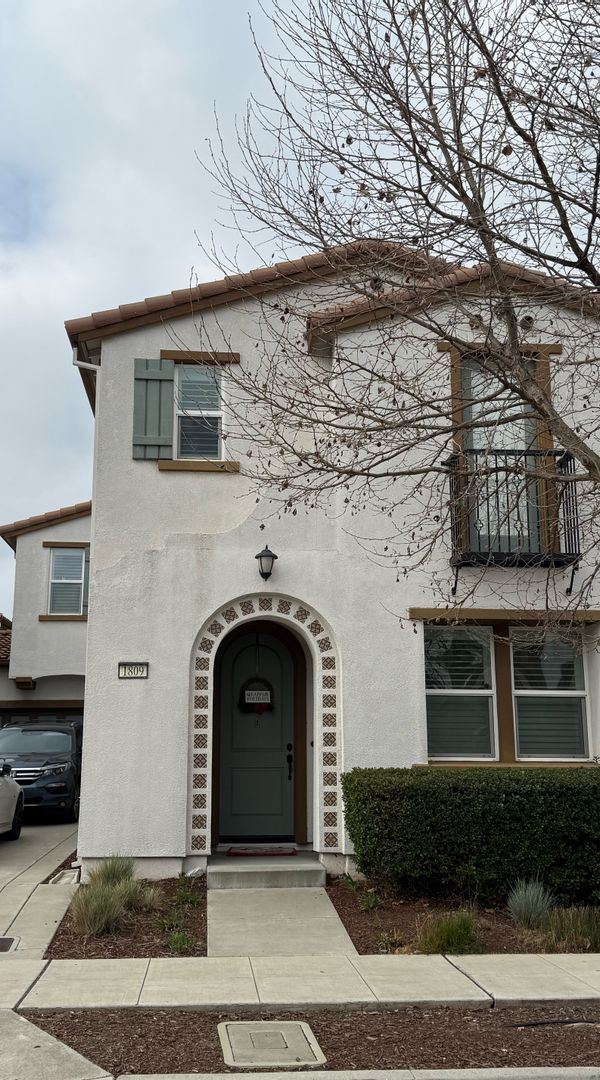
x=104, y=104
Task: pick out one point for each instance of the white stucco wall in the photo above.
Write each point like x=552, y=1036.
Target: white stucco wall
x=171, y=548
x=41, y=649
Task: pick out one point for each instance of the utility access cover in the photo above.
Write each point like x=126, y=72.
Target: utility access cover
x=282, y=1044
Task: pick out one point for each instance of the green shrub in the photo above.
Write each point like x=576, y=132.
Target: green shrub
x=389, y=941
x=454, y=933
x=573, y=929
x=468, y=832
x=528, y=903
x=97, y=909
x=180, y=942
x=113, y=870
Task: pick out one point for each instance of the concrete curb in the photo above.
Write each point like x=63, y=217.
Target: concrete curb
x=551, y=1073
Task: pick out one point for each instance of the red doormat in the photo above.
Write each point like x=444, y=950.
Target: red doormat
x=262, y=852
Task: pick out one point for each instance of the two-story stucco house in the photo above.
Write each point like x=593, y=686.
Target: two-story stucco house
x=222, y=705
x=42, y=649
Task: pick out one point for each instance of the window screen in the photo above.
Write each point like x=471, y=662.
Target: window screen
x=549, y=695
x=458, y=677
x=66, y=581
x=199, y=417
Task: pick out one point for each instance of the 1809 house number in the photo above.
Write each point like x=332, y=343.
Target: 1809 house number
x=133, y=669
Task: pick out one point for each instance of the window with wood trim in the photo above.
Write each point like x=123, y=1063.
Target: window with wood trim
x=511, y=499
x=460, y=692
x=198, y=411
x=505, y=693
x=69, y=581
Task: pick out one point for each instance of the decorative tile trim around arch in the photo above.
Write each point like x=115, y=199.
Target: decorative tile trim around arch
x=328, y=828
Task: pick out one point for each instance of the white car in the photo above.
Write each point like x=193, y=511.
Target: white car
x=11, y=805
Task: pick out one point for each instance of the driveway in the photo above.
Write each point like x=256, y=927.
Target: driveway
x=28, y=909
x=41, y=847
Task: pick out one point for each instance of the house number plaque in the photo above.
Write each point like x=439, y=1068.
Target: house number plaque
x=133, y=669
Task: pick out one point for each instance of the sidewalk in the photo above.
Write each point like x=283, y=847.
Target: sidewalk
x=275, y=922
x=254, y=982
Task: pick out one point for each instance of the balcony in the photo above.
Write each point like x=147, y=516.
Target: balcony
x=513, y=508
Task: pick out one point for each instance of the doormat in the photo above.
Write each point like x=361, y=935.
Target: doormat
x=262, y=852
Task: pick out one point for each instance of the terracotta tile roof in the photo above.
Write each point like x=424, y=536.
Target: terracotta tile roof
x=228, y=289
x=5, y=636
x=10, y=532
x=432, y=290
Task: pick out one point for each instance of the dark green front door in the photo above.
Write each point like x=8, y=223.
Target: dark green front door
x=256, y=745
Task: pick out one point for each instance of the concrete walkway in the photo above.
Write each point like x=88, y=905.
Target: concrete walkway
x=27, y=1053
x=275, y=922
x=217, y=982
x=29, y=910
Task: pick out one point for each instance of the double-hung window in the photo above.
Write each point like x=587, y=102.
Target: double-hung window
x=68, y=581
x=459, y=676
x=198, y=411
x=549, y=695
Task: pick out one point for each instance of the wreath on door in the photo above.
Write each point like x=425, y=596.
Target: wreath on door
x=256, y=696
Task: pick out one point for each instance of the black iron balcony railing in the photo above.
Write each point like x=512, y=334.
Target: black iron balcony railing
x=513, y=508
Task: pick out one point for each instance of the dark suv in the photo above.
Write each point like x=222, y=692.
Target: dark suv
x=45, y=759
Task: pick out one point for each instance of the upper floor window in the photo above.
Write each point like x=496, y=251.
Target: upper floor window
x=511, y=499
x=178, y=410
x=68, y=581
x=199, y=415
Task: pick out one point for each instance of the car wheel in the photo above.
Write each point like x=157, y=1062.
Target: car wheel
x=72, y=813
x=17, y=821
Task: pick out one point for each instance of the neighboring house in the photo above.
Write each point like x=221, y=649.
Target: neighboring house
x=224, y=708
x=42, y=652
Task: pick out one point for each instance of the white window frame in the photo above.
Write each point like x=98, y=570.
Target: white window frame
x=491, y=693
x=551, y=694
x=62, y=581
x=178, y=412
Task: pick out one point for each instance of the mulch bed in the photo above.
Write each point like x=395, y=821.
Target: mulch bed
x=173, y=1040
x=64, y=865
x=143, y=935
x=393, y=926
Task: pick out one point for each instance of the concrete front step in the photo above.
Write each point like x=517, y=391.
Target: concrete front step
x=271, y=872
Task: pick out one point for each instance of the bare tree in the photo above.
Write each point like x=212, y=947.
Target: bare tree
x=456, y=143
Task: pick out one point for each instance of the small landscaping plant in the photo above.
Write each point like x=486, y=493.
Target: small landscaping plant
x=108, y=900
x=529, y=903
x=97, y=909
x=573, y=929
x=453, y=933
x=389, y=941
x=113, y=870
x=180, y=942
x=187, y=894
x=370, y=901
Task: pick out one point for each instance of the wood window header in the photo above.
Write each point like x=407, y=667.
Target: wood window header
x=65, y=543
x=499, y=615
x=182, y=356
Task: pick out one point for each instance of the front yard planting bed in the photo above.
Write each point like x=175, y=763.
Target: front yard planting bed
x=176, y=927
x=174, y=1040
x=392, y=926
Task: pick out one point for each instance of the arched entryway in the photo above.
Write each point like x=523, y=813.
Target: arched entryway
x=323, y=702
x=259, y=740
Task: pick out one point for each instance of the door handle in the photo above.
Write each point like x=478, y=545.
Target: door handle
x=290, y=761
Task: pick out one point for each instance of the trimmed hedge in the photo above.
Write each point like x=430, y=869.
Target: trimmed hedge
x=474, y=832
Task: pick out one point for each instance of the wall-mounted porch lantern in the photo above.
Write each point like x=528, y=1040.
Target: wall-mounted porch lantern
x=266, y=559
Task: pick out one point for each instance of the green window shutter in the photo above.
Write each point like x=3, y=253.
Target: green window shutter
x=153, y=398
x=86, y=581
